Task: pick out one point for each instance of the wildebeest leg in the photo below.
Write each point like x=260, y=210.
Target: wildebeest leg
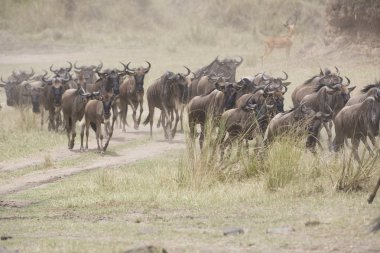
x=373, y=194
x=151, y=114
x=141, y=102
x=174, y=130
x=364, y=140
x=102, y=149
x=98, y=131
x=159, y=120
x=87, y=133
x=123, y=115
x=167, y=126
x=181, y=117
x=68, y=128
x=355, y=145
x=136, y=125
x=42, y=111
x=329, y=134
x=73, y=131
x=109, y=136
x=81, y=137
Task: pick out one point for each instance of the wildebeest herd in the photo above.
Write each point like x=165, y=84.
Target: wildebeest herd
x=250, y=107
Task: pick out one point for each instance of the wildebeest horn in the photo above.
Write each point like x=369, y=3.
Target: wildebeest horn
x=337, y=70
x=69, y=68
x=100, y=66
x=286, y=89
x=2, y=80
x=31, y=73
x=146, y=70
x=239, y=62
x=217, y=59
x=172, y=75
x=127, y=69
x=321, y=72
x=52, y=70
x=76, y=67
x=264, y=78
x=188, y=71
x=348, y=81
x=286, y=76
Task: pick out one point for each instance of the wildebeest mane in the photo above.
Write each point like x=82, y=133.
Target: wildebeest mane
x=203, y=95
x=370, y=86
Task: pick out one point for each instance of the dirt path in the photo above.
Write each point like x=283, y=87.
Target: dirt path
x=124, y=156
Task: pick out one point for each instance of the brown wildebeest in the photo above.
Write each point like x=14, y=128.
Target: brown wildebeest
x=356, y=122
x=167, y=94
x=300, y=120
x=96, y=113
x=373, y=194
x=132, y=93
x=239, y=123
x=73, y=106
x=326, y=78
x=210, y=107
x=53, y=100
x=207, y=83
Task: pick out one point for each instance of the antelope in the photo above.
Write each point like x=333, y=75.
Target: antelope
x=284, y=41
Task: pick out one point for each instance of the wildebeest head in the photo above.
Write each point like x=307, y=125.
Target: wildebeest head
x=35, y=91
x=87, y=73
x=230, y=92
x=225, y=67
x=10, y=88
x=273, y=83
x=111, y=80
x=107, y=101
x=139, y=75
x=57, y=88
x=62, y=72
x=180, y=81
x=21, y=76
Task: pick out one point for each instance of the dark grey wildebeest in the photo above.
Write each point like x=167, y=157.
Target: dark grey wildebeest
x=357, y=122
x=168, y=93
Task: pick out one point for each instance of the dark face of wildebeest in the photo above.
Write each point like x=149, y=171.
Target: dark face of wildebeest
x=138, y=74
x=107, y=101
x=230, y=92
x=57, y=88
x=87, y=72
x=111, y=80
x=226, y=67
x=35, y=92
x=10, y=88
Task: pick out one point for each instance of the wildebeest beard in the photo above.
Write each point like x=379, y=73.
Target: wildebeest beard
x=36, y=103
x=230, y=101
x=107, y=109
x=139, y=83
x=113, y=84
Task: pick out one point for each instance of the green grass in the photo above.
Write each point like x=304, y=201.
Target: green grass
x=113, y=209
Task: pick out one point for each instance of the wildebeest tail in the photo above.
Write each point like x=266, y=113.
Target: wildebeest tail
x=93, y=126
x=146, y=121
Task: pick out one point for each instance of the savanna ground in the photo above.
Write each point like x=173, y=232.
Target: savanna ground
x=148, y=191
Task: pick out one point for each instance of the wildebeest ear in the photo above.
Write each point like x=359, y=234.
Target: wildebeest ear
x=217, y=86
x=351, y=89
x=2, y=85
x=286, y=83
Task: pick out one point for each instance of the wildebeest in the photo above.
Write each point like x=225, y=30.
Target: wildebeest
x=367, y=91
x=240, y=124
x=87, y=72
x=329, y=98
x=132, y=93
x=73, y=107
x=226, y=67
x=109, y=82
x=64, y=73
x=326, y=78
x=14, y=92
x=53, y=100
x=96, y=113
x=167, y=94
x=300, y=120
x=207, y=83
x=357, y=122
x=36, y=93
x=210, y=106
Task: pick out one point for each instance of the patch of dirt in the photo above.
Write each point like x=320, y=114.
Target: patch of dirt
x=123, y=157
x=15, y=203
